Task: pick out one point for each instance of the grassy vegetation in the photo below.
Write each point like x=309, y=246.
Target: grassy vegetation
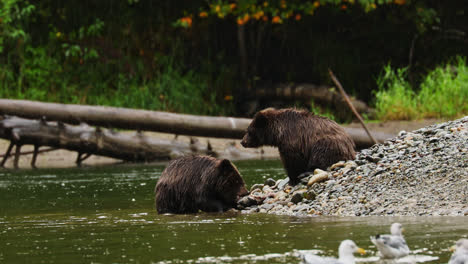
x=171, y=88
x=443, y=93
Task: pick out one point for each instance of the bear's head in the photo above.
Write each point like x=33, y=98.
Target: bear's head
x=258, y=133
x=230, y=185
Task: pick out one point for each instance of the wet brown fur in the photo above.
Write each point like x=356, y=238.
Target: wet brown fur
x=192, y=183
x=305, y=141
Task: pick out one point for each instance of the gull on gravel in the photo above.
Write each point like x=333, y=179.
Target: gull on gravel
x=345, y=253
x=391, y=246
x=460, y=254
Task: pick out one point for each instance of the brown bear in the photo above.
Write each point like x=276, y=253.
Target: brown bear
x=192, y=183
x=305, y=141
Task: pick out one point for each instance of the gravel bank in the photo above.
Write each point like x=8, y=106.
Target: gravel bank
x=419, y=173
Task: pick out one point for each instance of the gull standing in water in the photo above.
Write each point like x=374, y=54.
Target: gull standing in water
x=392, y=246
x=345, y=253
x=460, y=254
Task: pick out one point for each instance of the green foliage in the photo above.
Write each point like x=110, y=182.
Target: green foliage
x=395, y=98
x=443, y=93
x=14, y=15
x=172, y=90
x=127, y=53
x=322, y=111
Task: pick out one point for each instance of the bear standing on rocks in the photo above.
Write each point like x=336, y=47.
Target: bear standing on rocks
x=193, y=183
x=305, y=141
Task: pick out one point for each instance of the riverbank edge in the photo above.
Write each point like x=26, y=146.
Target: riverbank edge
x=418, y=173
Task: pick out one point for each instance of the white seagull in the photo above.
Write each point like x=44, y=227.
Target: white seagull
x=391, y=246
x=460, y=254
x=345, y=253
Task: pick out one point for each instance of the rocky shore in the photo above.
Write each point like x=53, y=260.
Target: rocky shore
x=419, y=173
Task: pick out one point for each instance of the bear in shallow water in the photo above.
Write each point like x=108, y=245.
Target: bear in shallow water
x=305, y=141
x=192, y=183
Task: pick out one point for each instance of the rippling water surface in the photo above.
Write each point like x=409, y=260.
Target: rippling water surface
x=106, y=215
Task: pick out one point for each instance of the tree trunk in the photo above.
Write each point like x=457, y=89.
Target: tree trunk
x=180, y=124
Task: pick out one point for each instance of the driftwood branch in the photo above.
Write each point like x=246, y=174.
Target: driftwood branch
x=345, y=96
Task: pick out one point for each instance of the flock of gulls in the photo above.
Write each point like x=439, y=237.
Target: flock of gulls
x=392, y=246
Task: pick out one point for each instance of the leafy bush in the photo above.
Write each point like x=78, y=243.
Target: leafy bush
x=443, y=93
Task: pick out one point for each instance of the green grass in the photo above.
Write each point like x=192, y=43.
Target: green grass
x=443, y=93
x=172, y=88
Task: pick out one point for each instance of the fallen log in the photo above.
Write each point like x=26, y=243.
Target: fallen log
x=86, y=140
x=124, y=118
x=306, y=92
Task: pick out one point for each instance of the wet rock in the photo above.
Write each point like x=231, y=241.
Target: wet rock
x=465, y=212
x=337, y=165
x=283, y=183
x=297, y=197
x=266, y=207
x=319, y=176
x=310, y=195
x=247, y=201
x=256, y=186
x=270, y=182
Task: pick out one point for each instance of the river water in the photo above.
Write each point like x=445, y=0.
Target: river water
x=106, y=215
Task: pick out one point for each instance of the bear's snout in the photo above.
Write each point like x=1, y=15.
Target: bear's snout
x=242, y=192
x=244, y=141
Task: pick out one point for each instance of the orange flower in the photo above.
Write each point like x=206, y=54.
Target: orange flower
x=243, y=20
x=316, y=4
x=186, y=21
x=228, y=98
x=232, y=6
x=276, y=20
x=344, y=7
x=258, y=15
x=400, y=2
x=203, y=14
x=265, y=18
x=298, y=17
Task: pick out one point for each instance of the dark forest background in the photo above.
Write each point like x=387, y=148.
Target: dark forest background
x=133, y=54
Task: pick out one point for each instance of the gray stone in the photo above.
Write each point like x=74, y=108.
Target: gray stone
x=256, y=186
x=270, y=182
x=282, y=184
x=297, y=197
x=465, y=212
x=267, y=207
x=247, y=201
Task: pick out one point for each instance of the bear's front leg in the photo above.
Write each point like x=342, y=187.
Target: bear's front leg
x=212, y=205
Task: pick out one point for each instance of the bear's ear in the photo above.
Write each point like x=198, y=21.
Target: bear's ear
x=261, y=120
x=225, y=164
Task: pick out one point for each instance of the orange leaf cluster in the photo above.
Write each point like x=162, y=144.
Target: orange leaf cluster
x=186, y=21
